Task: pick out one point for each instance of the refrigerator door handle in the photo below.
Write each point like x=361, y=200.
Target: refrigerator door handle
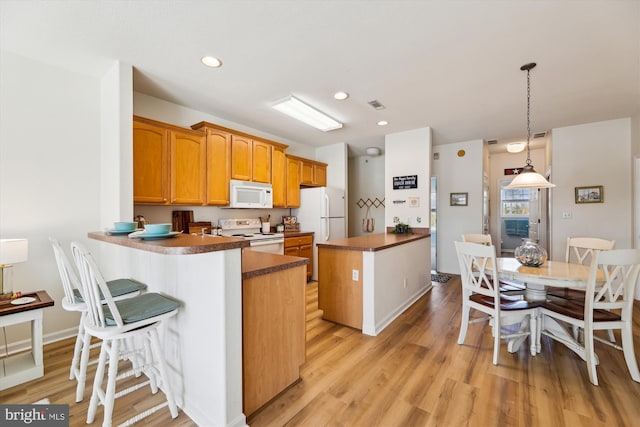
x=327, y=228
x=327, y=212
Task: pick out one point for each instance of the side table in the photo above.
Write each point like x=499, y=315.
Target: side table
x=26, y=366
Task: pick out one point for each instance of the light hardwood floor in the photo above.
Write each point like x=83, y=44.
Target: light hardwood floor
x=412, y=374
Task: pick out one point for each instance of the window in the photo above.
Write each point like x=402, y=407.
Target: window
x=514, y=202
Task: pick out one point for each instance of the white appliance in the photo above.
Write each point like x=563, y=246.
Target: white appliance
x=246, y=194
x=250, y=229
x=322, y=210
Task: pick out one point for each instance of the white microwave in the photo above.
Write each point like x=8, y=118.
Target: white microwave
x=246, y=194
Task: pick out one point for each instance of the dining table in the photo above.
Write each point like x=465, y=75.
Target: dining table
x=557, y=274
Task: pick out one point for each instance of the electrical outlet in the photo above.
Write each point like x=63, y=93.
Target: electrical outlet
x=355, y=274
x=566, y=215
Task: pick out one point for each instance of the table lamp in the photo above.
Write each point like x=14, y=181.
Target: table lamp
x=12, y=251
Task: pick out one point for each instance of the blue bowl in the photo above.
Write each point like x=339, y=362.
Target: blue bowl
x=125, y=226
x=157, y=228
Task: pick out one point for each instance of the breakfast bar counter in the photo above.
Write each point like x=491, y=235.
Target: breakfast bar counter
x=367, y=281
x=203, y=342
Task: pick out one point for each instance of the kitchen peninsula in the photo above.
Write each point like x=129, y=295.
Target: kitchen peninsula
x=203, y=343
x=367, y=281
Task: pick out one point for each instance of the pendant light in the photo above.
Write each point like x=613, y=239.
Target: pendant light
x=528, y=177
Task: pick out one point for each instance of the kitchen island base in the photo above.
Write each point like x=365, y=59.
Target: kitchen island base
x=366, y=282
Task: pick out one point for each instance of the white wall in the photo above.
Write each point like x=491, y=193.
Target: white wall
x=366, y=181
x=408, y=153
x=585, y=155
x=50, y=131
x=116, y=151
x=457, y=174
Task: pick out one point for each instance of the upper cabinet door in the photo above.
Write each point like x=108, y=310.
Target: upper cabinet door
x=218, y=167
x=293, y=183
x=241, y=158
x=306, y=175
x=279, y=177
x=188, y=156
x=261, y=162
x=150, y=163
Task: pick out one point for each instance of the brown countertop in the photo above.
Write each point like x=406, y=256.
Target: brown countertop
x=372, y=242
x=182, y=244
x=297, y=233
x=256, y=263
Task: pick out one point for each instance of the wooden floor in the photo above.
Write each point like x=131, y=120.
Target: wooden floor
x=412, y=374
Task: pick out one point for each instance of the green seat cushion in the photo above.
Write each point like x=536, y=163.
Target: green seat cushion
x=117, y=288
x=141, y=307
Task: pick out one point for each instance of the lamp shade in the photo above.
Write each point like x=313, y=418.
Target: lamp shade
x=529, y=178
x=13, y=251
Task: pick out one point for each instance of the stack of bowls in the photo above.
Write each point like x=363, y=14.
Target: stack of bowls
x=125, y=226
x=153, y=229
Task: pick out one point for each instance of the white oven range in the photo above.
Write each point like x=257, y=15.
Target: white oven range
x=250, y=229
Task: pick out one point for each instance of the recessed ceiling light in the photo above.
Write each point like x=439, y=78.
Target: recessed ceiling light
x=341, y=95
x=383, y=123
x=211, y=61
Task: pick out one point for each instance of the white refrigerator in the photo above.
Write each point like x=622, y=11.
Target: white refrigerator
x=322, y=210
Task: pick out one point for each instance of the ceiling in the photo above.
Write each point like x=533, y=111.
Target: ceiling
x=450, y=65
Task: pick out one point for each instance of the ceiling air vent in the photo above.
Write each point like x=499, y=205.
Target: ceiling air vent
x=539, y=135
x=492, y=141
x=376, y=104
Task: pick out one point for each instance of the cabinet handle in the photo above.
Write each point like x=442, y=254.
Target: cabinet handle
x=164, y=199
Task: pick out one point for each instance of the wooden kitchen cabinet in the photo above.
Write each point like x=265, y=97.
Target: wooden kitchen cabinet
x=218, y=167
x=241, y=158
x=279, y=177
x=313, y=174
x=150, y=163
x=250, y=159
x=273, y=327
x=168, y=163
x=261, y=166
x=302, y=246
x=293, y=181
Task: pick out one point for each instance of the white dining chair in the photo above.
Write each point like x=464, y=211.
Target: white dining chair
x=582, y=250
x=477, y=270
x=512, y=287
x=607, y=304
x=121, y=325
x=73, y=301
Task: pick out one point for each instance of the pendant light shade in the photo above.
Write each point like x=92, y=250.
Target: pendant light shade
x=528, y=177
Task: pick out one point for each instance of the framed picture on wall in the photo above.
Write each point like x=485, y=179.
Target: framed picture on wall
x=592, y=194
x=458, y=199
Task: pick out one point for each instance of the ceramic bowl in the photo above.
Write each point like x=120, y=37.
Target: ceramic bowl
x=157, y=228
x=125, y=226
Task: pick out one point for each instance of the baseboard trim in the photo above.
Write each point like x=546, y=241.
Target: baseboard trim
x=24, y=345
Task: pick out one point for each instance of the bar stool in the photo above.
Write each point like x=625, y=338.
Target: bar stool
x=74, y=301
x=120, y=325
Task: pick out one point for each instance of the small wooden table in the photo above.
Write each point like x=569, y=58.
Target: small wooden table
x=23, y=367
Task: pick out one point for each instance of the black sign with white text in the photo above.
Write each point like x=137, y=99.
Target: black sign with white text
x=405, y=182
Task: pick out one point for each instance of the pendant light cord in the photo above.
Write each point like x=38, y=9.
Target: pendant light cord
x=528, y=116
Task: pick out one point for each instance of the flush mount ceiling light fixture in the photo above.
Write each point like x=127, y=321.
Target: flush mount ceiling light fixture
x=383, y=123
x=297, y=109
x=528, y=177
x=341, y=96
x=211, y=61
x=516, y=147
x=373, y=151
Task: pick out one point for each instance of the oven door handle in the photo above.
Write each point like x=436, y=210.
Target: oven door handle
x=266, y=242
